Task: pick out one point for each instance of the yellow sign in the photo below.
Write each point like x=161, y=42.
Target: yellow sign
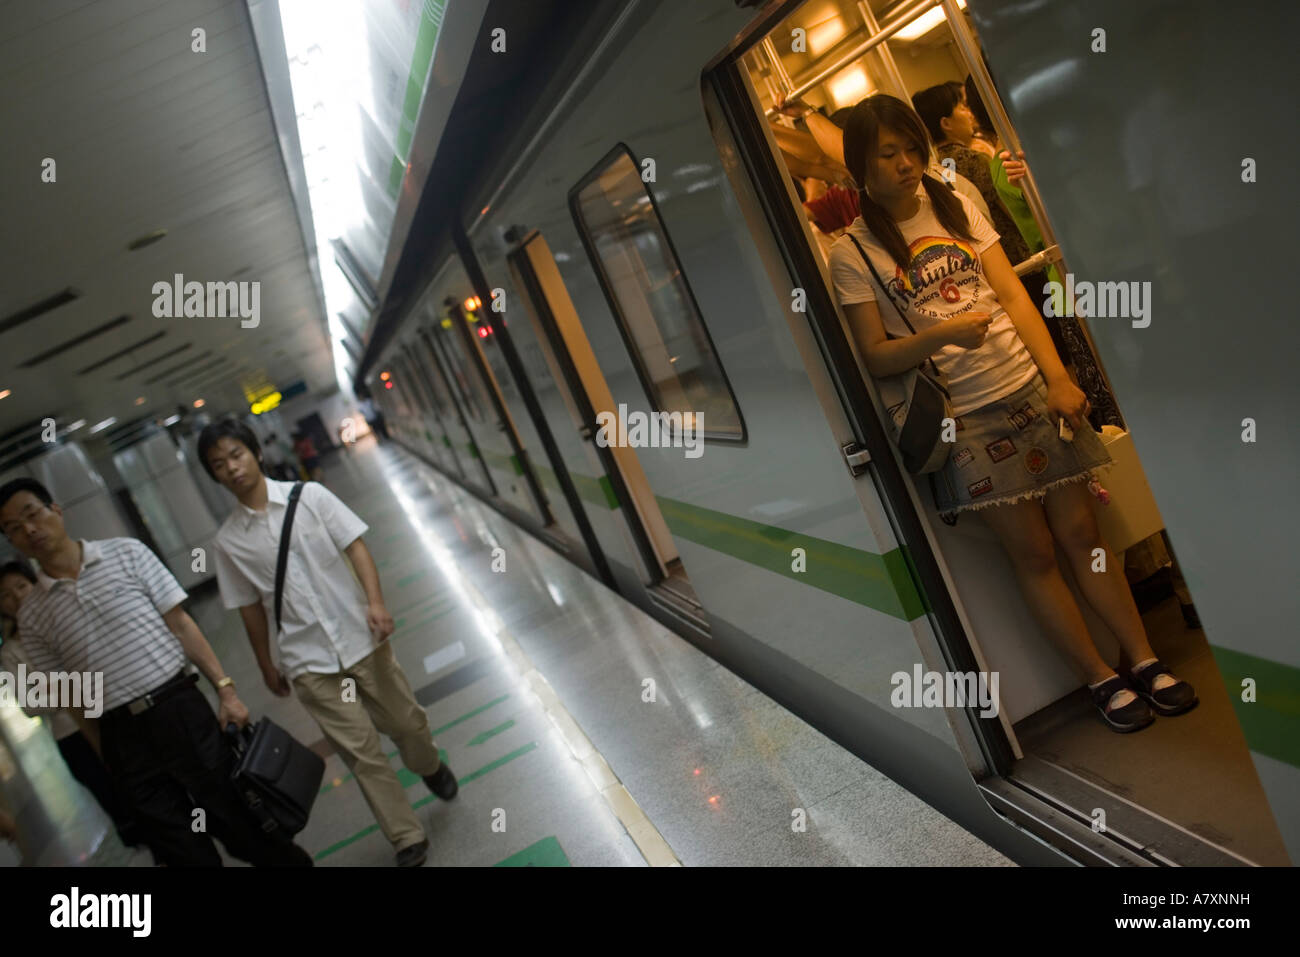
x=266, y=404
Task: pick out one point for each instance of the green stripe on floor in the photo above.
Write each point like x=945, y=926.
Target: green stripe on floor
x=545, y=853
x=473, y=775
x=491, y=732
x=436, y=731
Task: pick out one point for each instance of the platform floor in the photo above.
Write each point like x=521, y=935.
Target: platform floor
x=533, y=682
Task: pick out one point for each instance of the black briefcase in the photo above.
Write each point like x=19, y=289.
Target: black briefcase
x=277, y=776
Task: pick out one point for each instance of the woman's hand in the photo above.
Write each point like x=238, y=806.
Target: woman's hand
x=795, y=109
x=1066, y=400
x=1016, y=169
x=968, y=331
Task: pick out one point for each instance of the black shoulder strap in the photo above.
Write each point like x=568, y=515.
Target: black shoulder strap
x=875, y=275
x=282, y=560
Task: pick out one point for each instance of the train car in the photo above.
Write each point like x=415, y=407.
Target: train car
x=636, y=353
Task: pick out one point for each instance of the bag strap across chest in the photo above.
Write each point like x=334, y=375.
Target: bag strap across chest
x=282, y=560
x=901, y=315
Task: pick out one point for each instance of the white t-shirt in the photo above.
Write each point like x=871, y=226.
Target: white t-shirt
x=944, y=279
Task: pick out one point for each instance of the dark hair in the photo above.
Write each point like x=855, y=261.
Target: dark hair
x=861, y=139
x=13, y=487
x=799, y=190
x=18, y=568
x=976, y=104
x=936, y=103
x=226, y=429
x=841, y=116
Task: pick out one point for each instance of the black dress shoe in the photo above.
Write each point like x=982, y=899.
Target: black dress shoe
x=414, y=855
x=1173, y=699
x=1133, y=716
x=442, y=782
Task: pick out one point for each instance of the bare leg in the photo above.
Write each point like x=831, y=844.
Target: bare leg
x=1025, y=535
x=1075, y=527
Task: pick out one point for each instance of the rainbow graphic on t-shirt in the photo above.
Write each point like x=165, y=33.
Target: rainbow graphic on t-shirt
x=933, y=259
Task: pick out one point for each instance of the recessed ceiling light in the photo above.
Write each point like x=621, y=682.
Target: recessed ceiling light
x=148, y=239
x=139, y=400
x=198, y=403
x=5, y=394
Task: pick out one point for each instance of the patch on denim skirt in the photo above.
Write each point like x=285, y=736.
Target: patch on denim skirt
x=1023, y=417
x=1003, y=448
x=963, y=457
x=977, y=489
x=1036, y=461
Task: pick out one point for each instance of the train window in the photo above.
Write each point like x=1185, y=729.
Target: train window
x=656, y=313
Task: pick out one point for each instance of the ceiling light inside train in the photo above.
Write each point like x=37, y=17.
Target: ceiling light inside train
x=385, y=376
x=199, y=403
x=825, y=35
x=850, y=86
x=924, y=23
x=5, y=394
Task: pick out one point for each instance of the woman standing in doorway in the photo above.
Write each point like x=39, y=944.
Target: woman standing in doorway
x=1009, y=389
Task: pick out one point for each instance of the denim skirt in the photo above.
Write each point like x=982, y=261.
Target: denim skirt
x=1011, y=451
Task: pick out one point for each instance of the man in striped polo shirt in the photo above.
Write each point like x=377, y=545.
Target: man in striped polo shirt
x=112, y=607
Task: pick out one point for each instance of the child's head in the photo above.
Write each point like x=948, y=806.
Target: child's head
x=16, y=581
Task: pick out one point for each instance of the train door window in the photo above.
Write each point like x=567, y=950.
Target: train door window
x=642, y=279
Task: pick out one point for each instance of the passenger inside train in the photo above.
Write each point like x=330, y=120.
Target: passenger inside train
x=1009, y=396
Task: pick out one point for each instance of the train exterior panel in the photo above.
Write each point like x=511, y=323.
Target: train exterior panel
x=764, y=550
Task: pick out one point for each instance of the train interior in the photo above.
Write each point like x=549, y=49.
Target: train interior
x=1188, y=785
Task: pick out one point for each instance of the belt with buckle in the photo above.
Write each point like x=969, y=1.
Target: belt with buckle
x=164, y=691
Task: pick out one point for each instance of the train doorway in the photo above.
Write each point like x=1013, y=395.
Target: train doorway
x=435, y=411
x=574, y=365
x=1188, y=793
x=434, y=343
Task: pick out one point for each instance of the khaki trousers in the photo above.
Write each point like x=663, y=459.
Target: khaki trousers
x=382, y=704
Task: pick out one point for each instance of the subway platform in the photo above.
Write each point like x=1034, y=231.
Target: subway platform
x=534, y=682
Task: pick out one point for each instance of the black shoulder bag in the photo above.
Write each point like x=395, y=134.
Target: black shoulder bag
x=917, y=401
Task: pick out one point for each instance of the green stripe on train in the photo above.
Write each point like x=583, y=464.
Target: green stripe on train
x=887, y=583
x=598, y=492
x=881, y=582
x=425, y=38
x=1271, y=723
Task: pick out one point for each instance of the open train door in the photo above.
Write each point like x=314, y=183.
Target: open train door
x=1206, y=374
x=974, y=607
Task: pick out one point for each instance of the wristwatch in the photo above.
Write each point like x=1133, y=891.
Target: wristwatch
x=227, y=681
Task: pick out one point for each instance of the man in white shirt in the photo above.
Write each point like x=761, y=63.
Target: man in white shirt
x=111, y=607
x=332, y=635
